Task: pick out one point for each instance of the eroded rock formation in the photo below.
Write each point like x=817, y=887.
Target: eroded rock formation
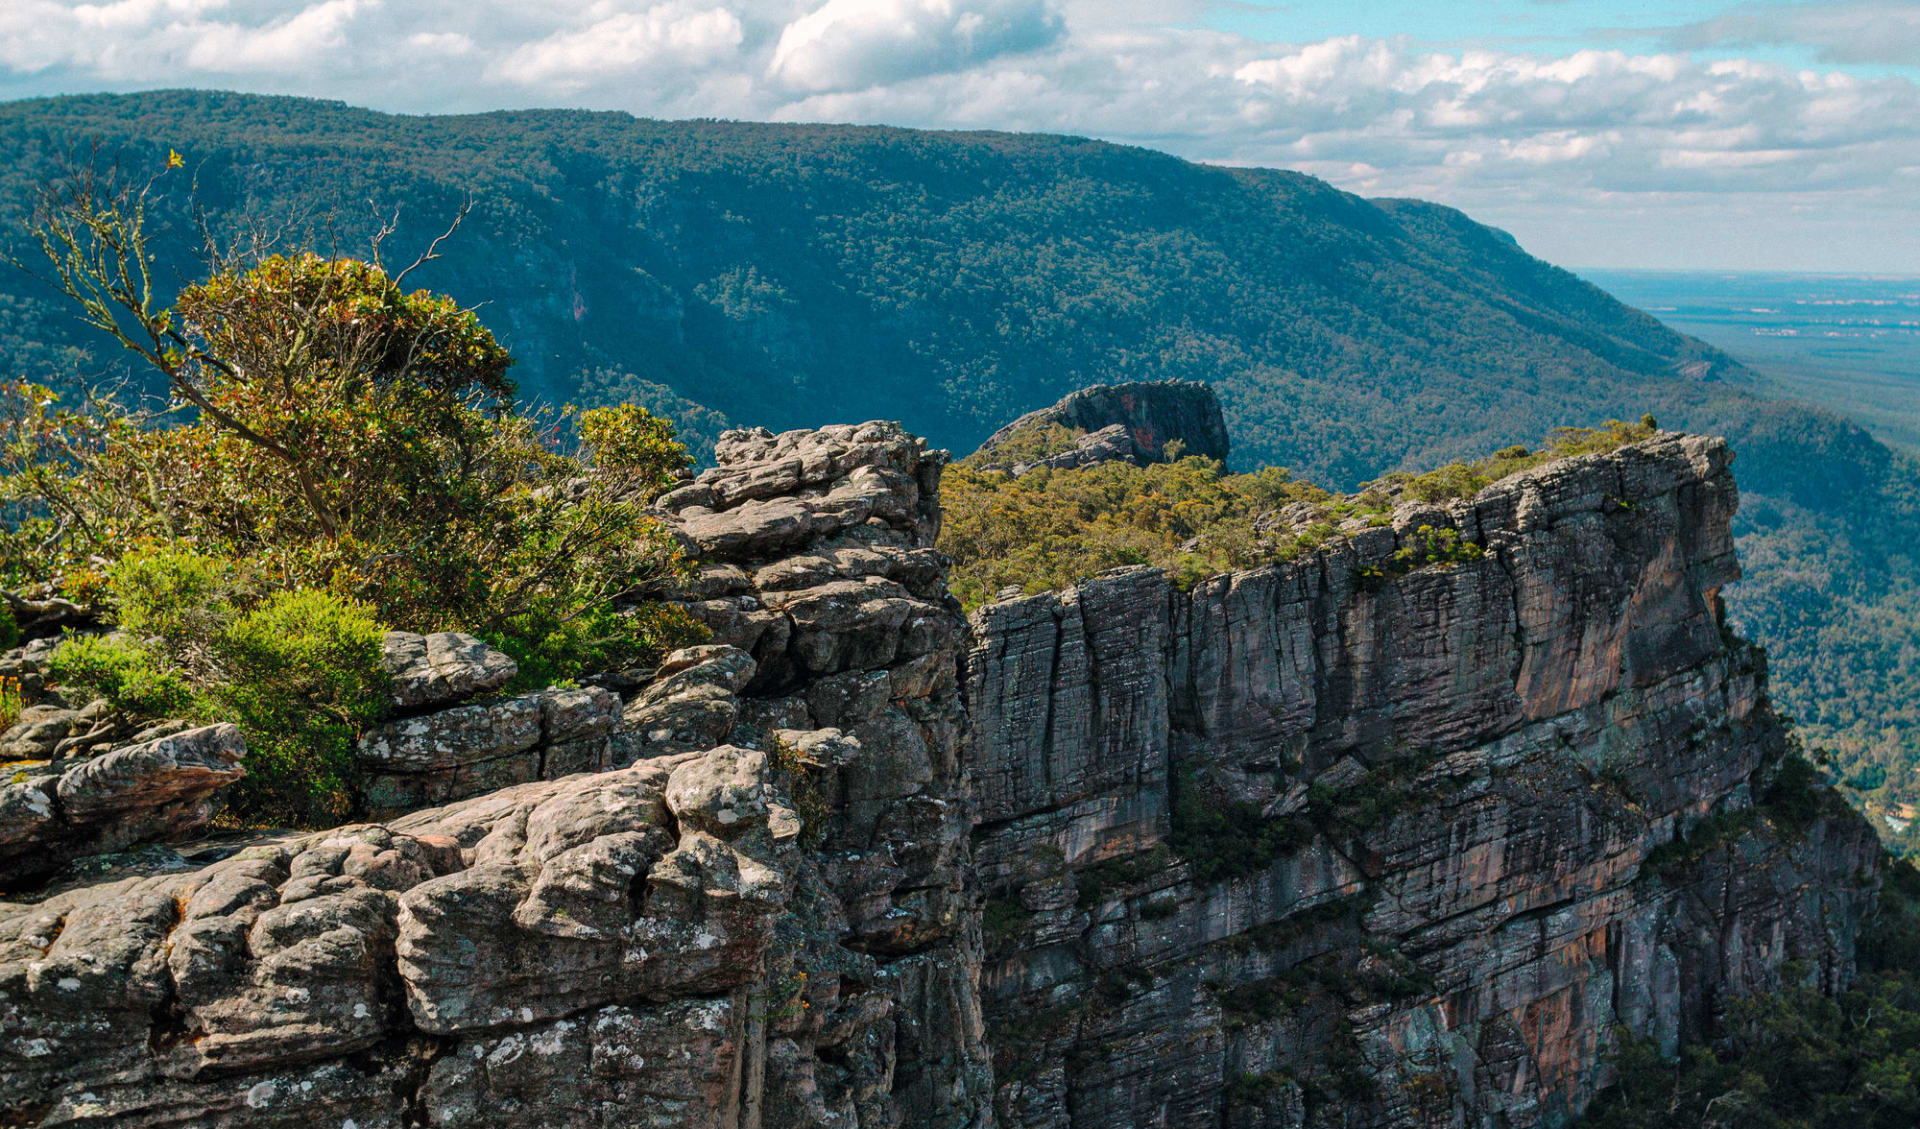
x=1366, y=839
x=1478, y=759
x=750, y=907
x=1118, y=422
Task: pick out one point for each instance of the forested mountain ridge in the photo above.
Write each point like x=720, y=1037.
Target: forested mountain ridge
x=795, y=274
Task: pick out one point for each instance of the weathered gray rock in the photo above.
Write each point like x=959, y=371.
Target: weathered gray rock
x=749, y=895
x=466, y=750
x=730, y=914
x=155, y=790
x=444, y=667
x=1120, y=423
x=1477, y=757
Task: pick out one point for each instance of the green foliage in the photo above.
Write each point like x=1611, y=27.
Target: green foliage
x=630, y=441
x=1051, y=528
x=1005, y=924
x=766, y=273
x=302, y=679
x=1223, y=839
x=1798, y=1059
x=347, y=435
x=133, y=679
x=1420, y=548
x=1028, y=443
x=174, y=599
x=12, y=701
x=1464, y=480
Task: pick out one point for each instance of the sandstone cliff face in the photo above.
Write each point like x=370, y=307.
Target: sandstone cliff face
x=751, y=909
x=1340, y=842
x=1477, y=758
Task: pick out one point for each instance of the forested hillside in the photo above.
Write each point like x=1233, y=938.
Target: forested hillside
x=794, y=275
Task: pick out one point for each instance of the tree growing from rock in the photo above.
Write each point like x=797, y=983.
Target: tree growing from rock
x=327, y=431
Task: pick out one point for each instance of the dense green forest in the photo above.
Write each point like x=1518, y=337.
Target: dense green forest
x=791, y=275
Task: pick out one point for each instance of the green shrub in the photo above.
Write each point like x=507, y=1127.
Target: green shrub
x=1223, y=839
x=303, y=679
x=1005, y=923
x=173, y=599
x=552, y=648
x=135, y=681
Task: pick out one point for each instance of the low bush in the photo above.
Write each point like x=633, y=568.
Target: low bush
x=135, y=681
x=303, y=678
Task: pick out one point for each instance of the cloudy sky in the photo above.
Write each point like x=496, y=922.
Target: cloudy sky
x=1656, y=133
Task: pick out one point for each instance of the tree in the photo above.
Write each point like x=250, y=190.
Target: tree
x=332, y=430
x=338, y=456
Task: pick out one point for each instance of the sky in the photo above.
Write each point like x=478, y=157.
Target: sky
x=1604, y=133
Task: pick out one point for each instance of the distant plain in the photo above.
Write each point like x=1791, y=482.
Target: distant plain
x=1847, y=342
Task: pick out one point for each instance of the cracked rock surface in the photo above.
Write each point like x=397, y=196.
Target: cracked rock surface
x=736, y=899
x=1475, y=761
x=1340, y=842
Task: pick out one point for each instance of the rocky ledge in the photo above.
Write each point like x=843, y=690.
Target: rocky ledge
x=1376, y=837
x=746, y=905
x=1351, y=842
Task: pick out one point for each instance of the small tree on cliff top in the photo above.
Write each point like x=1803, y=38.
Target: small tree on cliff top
x=329, y=429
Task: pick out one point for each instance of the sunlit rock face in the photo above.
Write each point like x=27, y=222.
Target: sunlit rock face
x=1477, y=759
x=737, y=898
x=1352, y=841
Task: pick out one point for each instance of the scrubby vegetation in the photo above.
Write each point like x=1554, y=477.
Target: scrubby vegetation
x=1051, y=528
x=1029, y=443
x=799, y=275
x=1465, y=479
x=337, y=456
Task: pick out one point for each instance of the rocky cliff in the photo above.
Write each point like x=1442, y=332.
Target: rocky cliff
x=1373, y=839
x=1376, y=837
x=1113, y=423
x=741, y=901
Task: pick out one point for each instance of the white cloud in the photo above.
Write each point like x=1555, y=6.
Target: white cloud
x=1541, y=143
x=664, y=35
x=310, y=33
x=851, y=44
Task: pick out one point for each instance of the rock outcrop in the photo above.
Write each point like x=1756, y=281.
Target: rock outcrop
x=1119, y=422
x=157, y=789
x=1344, y=842
x=1372, y=838
x=746, y=906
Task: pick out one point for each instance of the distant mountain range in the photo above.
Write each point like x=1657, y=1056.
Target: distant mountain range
x=789, y=275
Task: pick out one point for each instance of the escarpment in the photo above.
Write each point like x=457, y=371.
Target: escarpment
x=1348, y=842
x=1377, y=837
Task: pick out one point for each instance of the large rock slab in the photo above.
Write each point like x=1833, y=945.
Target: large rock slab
x=156, y=790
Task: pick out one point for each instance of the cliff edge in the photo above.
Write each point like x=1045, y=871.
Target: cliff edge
x=1391, y=837
x=1395, y=834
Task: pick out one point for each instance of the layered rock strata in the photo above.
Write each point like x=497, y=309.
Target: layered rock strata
x=1395, y=834
x=1385, y=837
x=160, y=788
x=755, y=915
